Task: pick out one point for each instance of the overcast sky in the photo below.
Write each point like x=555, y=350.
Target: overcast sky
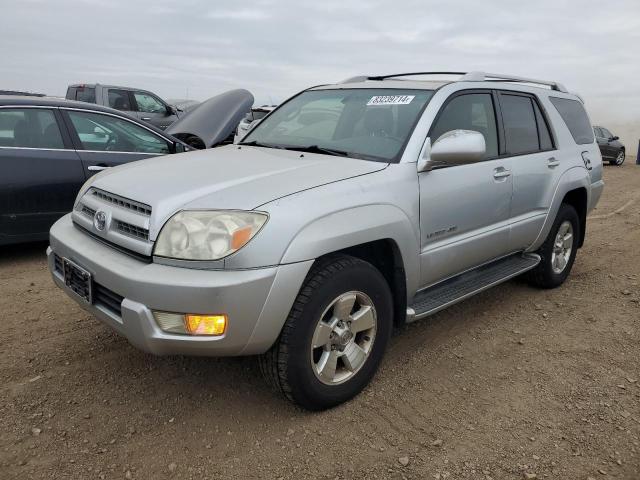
x=197, y=48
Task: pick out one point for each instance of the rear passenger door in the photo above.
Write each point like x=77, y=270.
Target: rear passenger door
x=40, y=172
x=535, y=162
x=104, y=140
x=464, y=209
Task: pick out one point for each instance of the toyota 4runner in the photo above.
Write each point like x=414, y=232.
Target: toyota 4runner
x=351, y=208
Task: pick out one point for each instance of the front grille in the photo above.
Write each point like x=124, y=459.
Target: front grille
x=121, y=201
x=108, y=299
x=89, y=212
x=132, y=230
x=138, y=256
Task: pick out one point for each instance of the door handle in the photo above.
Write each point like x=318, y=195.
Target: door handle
x=552, y=162
x=501, y=173
x=97, y=168
x=146, y=119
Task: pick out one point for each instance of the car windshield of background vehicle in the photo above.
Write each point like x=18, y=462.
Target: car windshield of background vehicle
x=369, y=124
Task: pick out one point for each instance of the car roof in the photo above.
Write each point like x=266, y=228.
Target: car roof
x=434, y=81
x=93, y=85
x=23, y=101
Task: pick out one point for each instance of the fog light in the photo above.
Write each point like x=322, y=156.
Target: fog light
x=205, y=324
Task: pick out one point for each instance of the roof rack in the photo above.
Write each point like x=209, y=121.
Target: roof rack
x=465, y=77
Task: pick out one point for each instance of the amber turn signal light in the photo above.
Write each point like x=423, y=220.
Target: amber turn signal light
x=205, y=324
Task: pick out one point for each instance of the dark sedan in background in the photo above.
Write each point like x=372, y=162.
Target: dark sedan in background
x=49, y=147
x=612, y=150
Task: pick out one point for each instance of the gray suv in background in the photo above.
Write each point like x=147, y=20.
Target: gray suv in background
x=349, y=209
x=144, y=105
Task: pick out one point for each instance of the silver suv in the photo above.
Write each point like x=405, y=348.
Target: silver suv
x=351, y=208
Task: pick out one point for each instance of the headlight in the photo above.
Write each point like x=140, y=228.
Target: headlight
x=207, y=235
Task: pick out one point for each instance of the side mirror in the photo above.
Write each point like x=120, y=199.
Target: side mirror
x=172, y=110
x=456, y=147
x=614, y=138
x=179, y=148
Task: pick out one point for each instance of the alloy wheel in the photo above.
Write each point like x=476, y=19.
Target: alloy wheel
x=562, y=247
x=343, y=338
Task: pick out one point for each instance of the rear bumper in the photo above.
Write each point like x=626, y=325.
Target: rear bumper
x=256, y=301
x=596, y=193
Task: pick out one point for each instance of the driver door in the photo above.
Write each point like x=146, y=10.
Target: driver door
x=105, y=140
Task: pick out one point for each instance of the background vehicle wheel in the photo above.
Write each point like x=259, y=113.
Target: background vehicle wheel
x=558, y=251
x=619, y=159
x=335, y=336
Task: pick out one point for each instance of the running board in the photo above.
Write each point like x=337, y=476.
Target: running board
x=467, y=284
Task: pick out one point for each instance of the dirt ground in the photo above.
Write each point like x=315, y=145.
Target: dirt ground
x=513, y=383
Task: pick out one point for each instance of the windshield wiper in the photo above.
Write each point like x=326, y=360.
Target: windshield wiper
x=255, y=143
x=317, y=149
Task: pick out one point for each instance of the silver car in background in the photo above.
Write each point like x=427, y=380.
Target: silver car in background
x=351, y=208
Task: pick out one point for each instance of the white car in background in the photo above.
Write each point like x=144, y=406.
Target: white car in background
x=251, y=119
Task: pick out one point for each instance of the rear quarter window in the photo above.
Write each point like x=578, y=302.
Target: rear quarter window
x=576, y=119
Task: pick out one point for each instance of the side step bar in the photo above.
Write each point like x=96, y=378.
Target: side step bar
x=467, y=284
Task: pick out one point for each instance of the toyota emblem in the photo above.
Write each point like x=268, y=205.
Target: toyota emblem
x=100, y=220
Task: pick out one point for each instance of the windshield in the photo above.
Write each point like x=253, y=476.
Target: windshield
x=371, y=124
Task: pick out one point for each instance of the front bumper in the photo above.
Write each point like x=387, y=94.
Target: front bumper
x=256, y=301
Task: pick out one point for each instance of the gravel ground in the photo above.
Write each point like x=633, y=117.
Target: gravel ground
x=514, y=383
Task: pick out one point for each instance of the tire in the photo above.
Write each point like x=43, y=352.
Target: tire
x=619, y=160
x=547, y=274
x=293, y=366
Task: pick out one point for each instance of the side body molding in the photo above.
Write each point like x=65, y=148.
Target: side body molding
x=574, y=178
x=355, y=226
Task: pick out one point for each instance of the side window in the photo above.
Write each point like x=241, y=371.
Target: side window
x=107, y=133
x=29, y=128
x=119, y=99
x=149, y=104
x=520, y=127
x=543, y=129
x=597, y=132
x=472, y=111
x=82, y=94
x=576, y=119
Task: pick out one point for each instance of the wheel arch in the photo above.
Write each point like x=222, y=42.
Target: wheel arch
x=380, y=234
x=573, y=187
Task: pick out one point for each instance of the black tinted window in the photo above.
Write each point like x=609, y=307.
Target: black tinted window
x=472, y=111
x=119, y=99
x=86, y=94
x=575, y=117
x=99, y=132
x=519, y=124
x=29, y=128
x=543, y=129
x=606, y=133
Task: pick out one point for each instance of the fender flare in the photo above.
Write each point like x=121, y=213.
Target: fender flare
x=355, y=226
x=574, y=178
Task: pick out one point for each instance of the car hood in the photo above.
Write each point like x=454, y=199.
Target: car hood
x=212, y=121
x=226, y=178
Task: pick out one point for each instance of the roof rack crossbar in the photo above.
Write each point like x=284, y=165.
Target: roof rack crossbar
x=465, y=77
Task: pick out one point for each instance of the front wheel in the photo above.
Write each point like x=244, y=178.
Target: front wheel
x=558, y=251
x=335, y=336
x=619, y=159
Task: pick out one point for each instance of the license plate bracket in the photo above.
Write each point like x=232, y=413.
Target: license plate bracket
x=78, y=280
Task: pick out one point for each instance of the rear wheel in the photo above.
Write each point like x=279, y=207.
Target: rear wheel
x=619, y=159
x=558, y=251
x=335, y=336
